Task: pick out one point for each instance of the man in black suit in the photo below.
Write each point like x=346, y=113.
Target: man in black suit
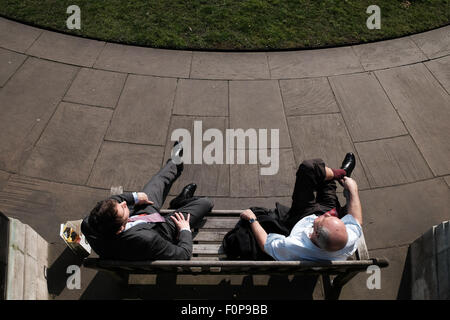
x=129, y=226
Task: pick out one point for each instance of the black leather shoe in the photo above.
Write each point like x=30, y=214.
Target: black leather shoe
x=349, y=163
x=187, y=192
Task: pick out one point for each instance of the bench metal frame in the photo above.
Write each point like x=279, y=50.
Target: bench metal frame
x=208, y=258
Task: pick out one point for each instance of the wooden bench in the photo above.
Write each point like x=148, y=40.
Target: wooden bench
x=209, y=258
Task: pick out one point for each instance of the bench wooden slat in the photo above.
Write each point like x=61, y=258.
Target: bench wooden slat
x=212, y=213
x=215, y=249
x=220, y=223
x=92, y=262
x=237, y=267
x=205, y=258
x=210, y=236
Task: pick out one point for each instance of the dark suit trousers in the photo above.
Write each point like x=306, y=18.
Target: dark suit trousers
x=157, y=190
x=310, y=180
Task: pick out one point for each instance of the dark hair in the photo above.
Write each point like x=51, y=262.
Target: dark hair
x=103, y=218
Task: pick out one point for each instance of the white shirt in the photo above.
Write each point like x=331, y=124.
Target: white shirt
x=298, y=245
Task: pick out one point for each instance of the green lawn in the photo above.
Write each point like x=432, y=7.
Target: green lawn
x=233, y=24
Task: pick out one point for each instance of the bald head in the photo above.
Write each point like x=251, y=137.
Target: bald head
x=329, y=233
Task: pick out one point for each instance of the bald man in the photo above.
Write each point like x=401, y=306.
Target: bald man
x=321, y=230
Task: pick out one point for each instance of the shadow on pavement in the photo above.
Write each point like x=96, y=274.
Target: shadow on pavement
x=57, y=272
x=104, y=286
x=404, y=290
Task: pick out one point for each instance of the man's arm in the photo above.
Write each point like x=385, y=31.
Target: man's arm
x=132, y=198
x=258, y=231
x=353, y=202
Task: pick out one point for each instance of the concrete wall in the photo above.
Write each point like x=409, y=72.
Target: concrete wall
x=27, y=263
x=4, y=232
x=430, y=264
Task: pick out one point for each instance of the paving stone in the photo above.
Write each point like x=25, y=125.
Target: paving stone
x=4, y=176
x=244, y=180
x=441, y=70
x=424, y=107
x=146, y=61
x=96, y=87
x=365, y=107
x=281, y=183
x=143, y=112
x=211, y=179
x=447, y=180
x=229, y=65
x=45, y=205
x=248, y=180
x=390, y=277
x=325, y=137
x=127, y=165
x=29, y=98
x=67, y=49
x=307, y=96
x=392, y=161
x=17, y=36
x=262, y=98
x=9, y=63
x=402, y=213
x=201, y=98
x=313, y=63
x=388, y=54
x=62, y=153
x=434, y=43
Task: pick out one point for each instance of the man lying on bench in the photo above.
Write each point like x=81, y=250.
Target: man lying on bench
x=320, y=229
x=130, y=227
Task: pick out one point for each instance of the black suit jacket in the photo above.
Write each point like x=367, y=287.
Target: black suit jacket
x=141, y=242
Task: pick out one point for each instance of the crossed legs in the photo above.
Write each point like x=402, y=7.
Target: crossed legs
x=157, y=190
x=312, y=176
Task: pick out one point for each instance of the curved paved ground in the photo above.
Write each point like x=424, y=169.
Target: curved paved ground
x=78, y=116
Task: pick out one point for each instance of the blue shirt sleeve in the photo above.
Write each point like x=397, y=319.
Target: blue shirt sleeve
x=279, y=247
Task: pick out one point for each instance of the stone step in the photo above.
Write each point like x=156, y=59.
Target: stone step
x=27, y=263
x=430, y=263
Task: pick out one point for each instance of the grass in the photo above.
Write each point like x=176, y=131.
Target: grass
x=233, y=24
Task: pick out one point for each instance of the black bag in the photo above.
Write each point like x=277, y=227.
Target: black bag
x=240, y=243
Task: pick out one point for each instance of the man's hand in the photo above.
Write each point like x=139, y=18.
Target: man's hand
x=247, y=215
x=180, y=222
x=350, y=186
x=143, y=199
